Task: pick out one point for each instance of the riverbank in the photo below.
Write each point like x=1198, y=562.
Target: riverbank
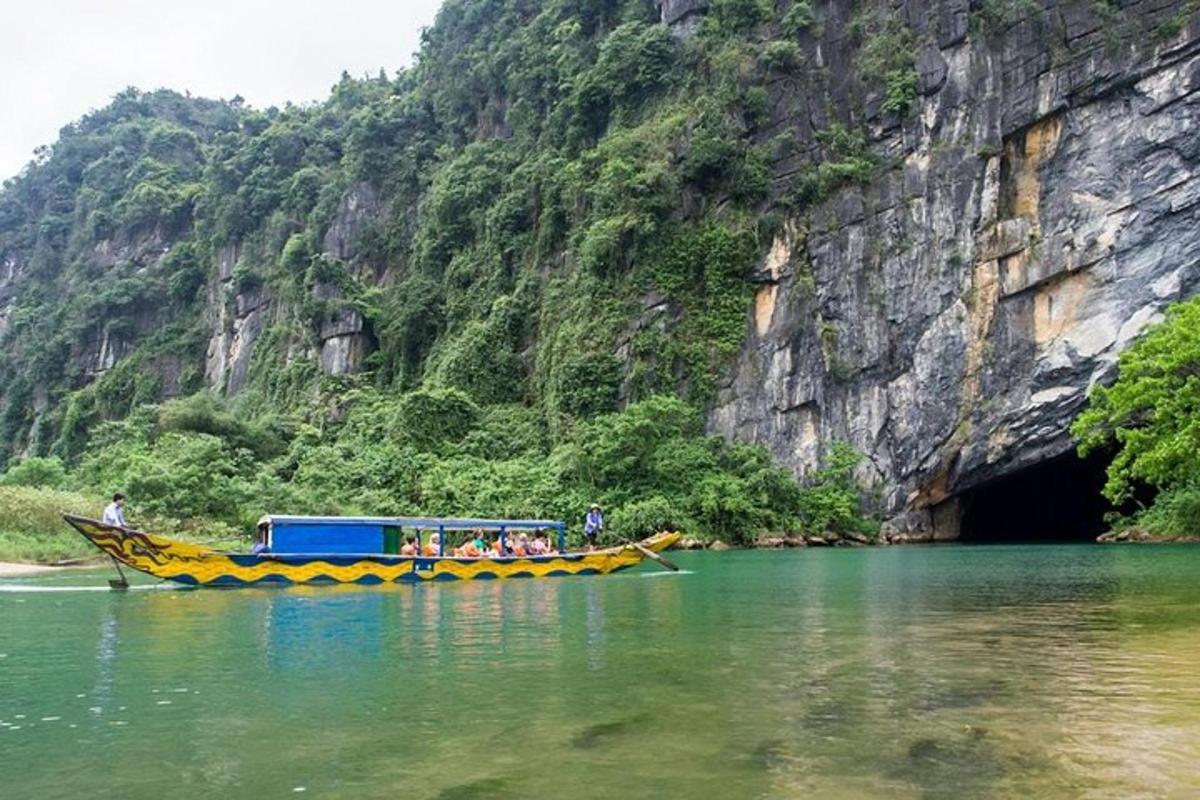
x=1143, y=537
x=794, y=541
x=13, y=569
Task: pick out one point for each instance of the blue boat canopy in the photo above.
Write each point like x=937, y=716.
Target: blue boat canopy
x=302, y=534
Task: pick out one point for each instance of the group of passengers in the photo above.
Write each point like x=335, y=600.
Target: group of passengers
x=481, y=546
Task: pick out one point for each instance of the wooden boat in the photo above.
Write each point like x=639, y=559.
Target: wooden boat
x=360, y=550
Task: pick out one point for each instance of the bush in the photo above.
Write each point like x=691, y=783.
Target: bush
x=642, y=518
x=798, y=18
x=832, y=497
x=33, y=529
x=1175, y=512
x=781, y=55
x=430, y=418
x=847, y=161
x=507, y=431
x=185, y=275
x=634, y=59
x=204, y=413
x=587, y=384
x=618, y=449
x=737, y=16
x=35, y=471
x=900, y=90
x=888, y=58
x=725, y=508
x=481, y=363
x=181, y=475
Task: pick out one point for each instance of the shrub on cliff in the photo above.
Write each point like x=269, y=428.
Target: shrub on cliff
x=1151, y=417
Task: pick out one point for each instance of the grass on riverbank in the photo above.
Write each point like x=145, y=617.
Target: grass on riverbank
x=32, y=529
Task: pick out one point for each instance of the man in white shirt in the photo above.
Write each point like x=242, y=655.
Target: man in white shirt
x=114, y=513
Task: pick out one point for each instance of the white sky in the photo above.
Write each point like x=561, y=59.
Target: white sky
x=61, y=58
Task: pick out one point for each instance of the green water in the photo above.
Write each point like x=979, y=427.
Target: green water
x=956, y=672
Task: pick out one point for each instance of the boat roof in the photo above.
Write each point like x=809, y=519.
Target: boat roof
x=426, y=523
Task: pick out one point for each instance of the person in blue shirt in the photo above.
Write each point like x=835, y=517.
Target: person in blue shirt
x=114, y=512
x=593, y=525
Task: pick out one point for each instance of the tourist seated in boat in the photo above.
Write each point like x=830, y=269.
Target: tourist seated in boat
x=431, y=547
x=410, y=546
x=473, y=547
x=520, y=548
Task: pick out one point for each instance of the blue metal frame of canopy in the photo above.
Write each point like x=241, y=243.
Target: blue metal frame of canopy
x=441, y=525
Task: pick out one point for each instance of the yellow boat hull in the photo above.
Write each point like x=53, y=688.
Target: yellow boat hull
x=197, y=565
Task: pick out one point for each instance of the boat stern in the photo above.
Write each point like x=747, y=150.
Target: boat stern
x=663, y=540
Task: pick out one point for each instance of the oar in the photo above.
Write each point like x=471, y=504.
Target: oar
x=648, y=553
x=121, y=584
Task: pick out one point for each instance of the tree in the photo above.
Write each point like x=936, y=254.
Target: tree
x=1151, y=416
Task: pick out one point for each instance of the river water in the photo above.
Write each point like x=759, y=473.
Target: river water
x=913, y=672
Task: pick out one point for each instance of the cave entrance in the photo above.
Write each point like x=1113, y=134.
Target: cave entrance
x=1057, y=500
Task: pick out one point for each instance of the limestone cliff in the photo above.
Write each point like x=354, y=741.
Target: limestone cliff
x=948, y=318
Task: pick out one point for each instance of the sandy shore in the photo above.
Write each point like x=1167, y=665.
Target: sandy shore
x=11, y=569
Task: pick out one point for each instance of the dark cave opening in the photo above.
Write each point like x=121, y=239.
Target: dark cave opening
x=1057, y=500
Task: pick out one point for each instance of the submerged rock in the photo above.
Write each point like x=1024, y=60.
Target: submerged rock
x=601, y=733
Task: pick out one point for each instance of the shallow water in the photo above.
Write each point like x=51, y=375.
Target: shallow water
x=956, y=672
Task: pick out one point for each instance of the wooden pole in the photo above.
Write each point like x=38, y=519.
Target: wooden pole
x=118, y=584
x=648, y=553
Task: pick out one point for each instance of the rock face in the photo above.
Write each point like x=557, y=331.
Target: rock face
x=237, y=316
x=10, y=267
x=677, y=12
x=949, y=317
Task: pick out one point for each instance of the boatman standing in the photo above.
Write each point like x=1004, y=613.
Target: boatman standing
x=593, y=525
x=114, y=512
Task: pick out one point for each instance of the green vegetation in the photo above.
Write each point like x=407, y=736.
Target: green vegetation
x=1151, y=418
x=559, y=211
x=994, y=17
x=1172, y=25
x=848, y=161
x=888, y=58
x=431, y=452
x=33, y=528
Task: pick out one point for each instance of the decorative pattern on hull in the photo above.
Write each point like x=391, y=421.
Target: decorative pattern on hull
x=197, y=565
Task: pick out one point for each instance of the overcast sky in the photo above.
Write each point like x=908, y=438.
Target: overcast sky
x=61, y=58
